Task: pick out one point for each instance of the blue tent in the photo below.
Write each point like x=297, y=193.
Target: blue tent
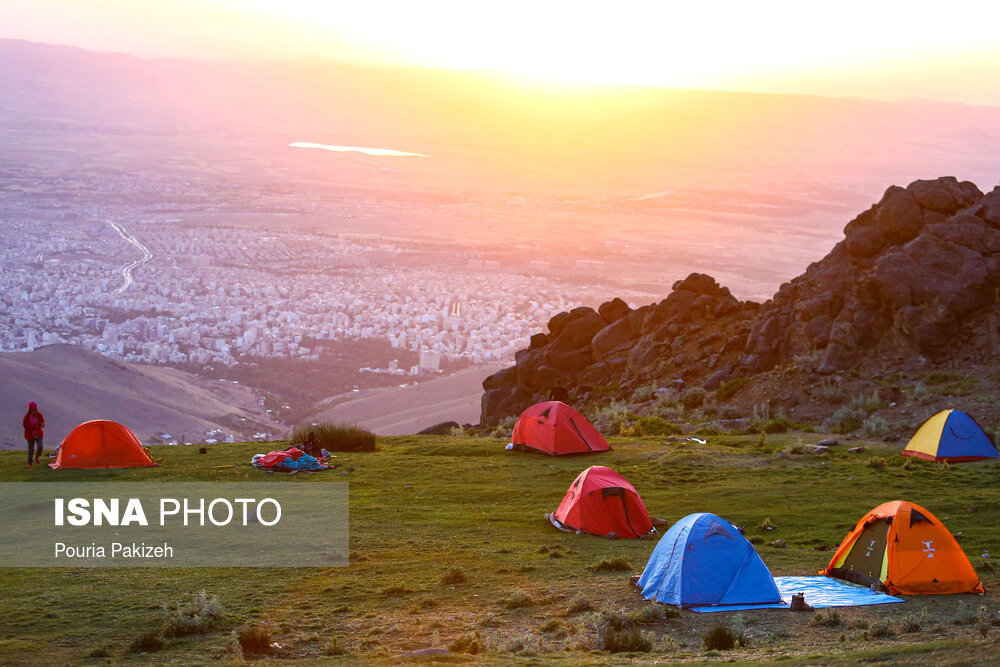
x=952, y=436
x=703, y=560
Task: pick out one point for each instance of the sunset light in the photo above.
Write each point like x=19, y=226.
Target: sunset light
x=852, y=48
x=499, y=332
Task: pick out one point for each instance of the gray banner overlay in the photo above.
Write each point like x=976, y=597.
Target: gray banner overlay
x=179, y=524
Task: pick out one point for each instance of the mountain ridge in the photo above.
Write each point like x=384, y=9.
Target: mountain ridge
x=914, y=283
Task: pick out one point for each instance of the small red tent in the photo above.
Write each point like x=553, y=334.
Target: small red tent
x=602, y=502
x=100, y=444
x=555, y=428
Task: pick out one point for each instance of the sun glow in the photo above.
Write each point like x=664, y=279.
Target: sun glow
x=883, y=49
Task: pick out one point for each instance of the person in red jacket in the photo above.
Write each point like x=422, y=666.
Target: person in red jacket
x=33, y=423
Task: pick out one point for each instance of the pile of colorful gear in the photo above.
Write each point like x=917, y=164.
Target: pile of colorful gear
x=292, y=459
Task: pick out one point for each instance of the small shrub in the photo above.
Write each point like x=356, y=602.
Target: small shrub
x=632, y=640
x=828, y=618
x=845, y=420
x=644, y=393
x=518, y=600
x=579, y=604
x=761, y=414
x=908, y=464
x=692, y=398
x=453, y=576
x=652, y=613
x=830, y=391
x=913, y=622
x=729, y=388
x=874, y=426
x=866, y=404
x=876, y=462
x=614, y=416
x=776, y=426
x=470, y=644
x=862, y=623
x=882, y=629
x=962, y=387
x=939, y=377
x=655, y=426
x=616, y=564
x=254, y=639
x=395, y=591
x=334, y=648
x=504, y=428
x=721, y=637
x=965, y=614
x=614, y=620
x=755, y=539
x=920, y=395
x=551, y=625
x=198, y=616
x=729, y=412
x=148, y=642
x=337, y=437
x=522, y=646
x=104, y=651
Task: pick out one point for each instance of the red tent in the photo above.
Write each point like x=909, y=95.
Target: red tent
x=100, y=444
x=555, y=428
x=602, y=502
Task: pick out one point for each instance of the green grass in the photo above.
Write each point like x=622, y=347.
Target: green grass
x=423, y=507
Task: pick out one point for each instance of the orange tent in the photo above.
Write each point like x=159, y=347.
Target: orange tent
x=100, y=444
x=555, y=428
x=905, y=549
x=602, y=502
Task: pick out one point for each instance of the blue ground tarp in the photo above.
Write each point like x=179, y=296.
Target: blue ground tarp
x=819, y=591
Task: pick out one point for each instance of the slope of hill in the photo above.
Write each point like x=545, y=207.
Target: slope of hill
x=913, y=286
x=403, y=410
x=72, y=385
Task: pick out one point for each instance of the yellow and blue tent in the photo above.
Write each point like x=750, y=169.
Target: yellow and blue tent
x=952, y=436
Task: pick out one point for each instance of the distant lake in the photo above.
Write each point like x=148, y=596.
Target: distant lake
x=355, y=149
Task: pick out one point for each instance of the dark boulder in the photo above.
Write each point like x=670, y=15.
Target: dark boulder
x=613, y=310
x=612, y=338
x=716, y=379
x=558, y=323
x=578, y=332
x=700, y=283
x=506, y=377
x=444, y=428
x=499, y=403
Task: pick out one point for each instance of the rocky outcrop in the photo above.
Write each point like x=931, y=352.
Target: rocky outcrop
x=915, y=277
x=586, y=349
x=908, y=280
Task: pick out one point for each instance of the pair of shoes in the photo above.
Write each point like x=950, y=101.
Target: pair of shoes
x=37, y=457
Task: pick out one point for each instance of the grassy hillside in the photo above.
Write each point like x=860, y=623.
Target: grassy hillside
x=429, y=512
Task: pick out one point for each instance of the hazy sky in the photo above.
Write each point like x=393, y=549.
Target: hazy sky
x=881, y=49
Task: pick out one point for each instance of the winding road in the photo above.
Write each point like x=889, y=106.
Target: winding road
x=127, y=270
